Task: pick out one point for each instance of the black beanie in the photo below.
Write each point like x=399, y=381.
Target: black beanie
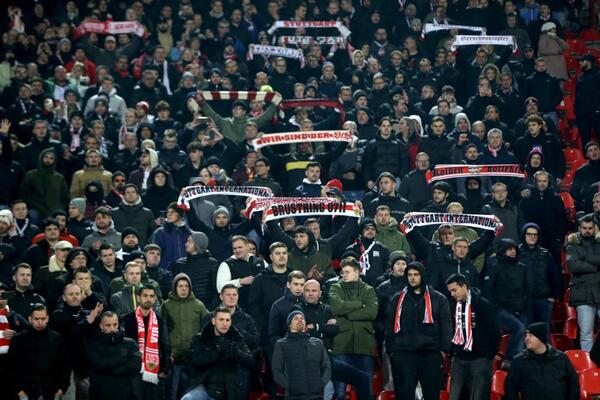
x=540, y=331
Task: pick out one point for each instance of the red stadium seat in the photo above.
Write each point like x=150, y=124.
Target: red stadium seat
x=589, y=35
x=386, y=395
x=569, y=203
x=567, y=181
x=561, y=342
x=258, y=396
x=498, y=385
x=377, y=382
x=589, y=382
x=576, y=46
x=560, y=313
x=571, y=328
x=503, y=345
x=580, y=359
x=573, y=154
x=444, y=395
x=569, y=86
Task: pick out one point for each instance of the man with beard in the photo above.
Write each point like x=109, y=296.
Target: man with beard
x=103, y=231
x=586, y=175
x=106, y=267
x=37, y=255
x=419, y=332
x=583, y=261
x=115, y=362
x=373, y=256
x=93, y=170
x=477, y=335
x=145, y=327
x=130, y=242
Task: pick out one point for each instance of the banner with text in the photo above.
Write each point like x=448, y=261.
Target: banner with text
x=193, y=192
x=301, y=137
x=413, y=220
x=451, y=171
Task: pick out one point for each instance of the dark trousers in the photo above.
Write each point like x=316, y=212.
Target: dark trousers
x=341, y=371
x=360, y=362
x=539, y=310
x=409, y=367
x=471, y=379
x=515, y=324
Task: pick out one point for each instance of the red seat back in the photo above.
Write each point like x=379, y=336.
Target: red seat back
x=498, y=385
x=580, y=359
x=589, y=381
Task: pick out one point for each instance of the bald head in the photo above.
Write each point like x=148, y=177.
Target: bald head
x=72, y=295
x=312, y=291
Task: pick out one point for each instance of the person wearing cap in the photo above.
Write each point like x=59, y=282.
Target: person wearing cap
x=586, y=175
x=587, y=103
x=292, y=297
x=130, y=242
x=551, y=46
x=201, y=269
x=300, y=362
x=132, y=213
x=419, y=331
x=373, y=255
x=149, y=88
x=233, y=127
x=583, y=262
x=93, y=170
x=116, y=103
x=477, y=334
x=385, y=153
x=531, y=108
x=354, y=304
x=507, y=284
x=103, y=231
x=77, y=224
x=171, y=236
x=55, y=268
x=541, y=371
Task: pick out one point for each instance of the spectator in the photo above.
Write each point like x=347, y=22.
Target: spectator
x=587, y=174
x=106, y=267
x=373, y=255
x=132, y=213
x=586, y=105
x=415, y=187
x=24, y=297
x=103, y=231
x=509, y=214
x=93, y=170
x=544, y=88
x=38, y=255
x=281, y=308
x=171, y=237
x=388, y=233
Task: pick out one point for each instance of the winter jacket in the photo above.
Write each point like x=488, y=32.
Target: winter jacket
x=585, y=176
x=130, y=330
x=392, y=239
x=279, y=312
x=545, y=274
x=84, y=176
x=397, y=204
x=171, y=240
x=378, y=258
x=267, y=288
x=301, y=366
x=451, y=265
x=545, y=89
x=414, y=334
x=586, y=101
x=386, y=291
x=415, y=189
x=182, y=318
x=39, y=361
x=511, y=217
x=135, y=216
x=219, y=239
x=243, y=323
x=487, y=330
x=308, y=189
x=201, y=269
x=317, y=315
x=507, y=284
x=115, y=363
x=232, y=270
x=384, y=155
x=355, y=306
x=23, y=302
x=105, y=276
x=111, y=237
x=79, y=229
x=547, y=376
x=215, y=360
x=44, y=189
x=552, y=148
x=438, y=148
x=583, y=261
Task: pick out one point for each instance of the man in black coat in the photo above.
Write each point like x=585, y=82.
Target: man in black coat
x=156, y=338
x=540, y=371
x=586, y=101
x=24, y=298
x=373, y=256
x=437, y=144
x=114, y=362
x=414, y=186
x=477, y=335
x=12, y=324
x=40, y=365
x=586, y=175
x=388, y=196
x=545, y=88
x=292, y=296
x=300, y=362
x=201, y=267
x=459, y=262
x=419, y=331
x=215, y=357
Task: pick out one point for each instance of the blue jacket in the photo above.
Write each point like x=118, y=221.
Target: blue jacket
x=171, y=240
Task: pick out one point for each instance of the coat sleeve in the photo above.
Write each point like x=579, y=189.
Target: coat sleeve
x=278, y=366
x=339, y=306
x=368, y=311
x=573, y=379
x=266, y=117
x=209, y=112
x=325, y=366
x=445, y=324
x=513, y=381
x=419, y=244
x=481, y=244
x=577, y=262
x=224, y=277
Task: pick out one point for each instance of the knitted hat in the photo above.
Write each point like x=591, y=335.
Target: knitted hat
x=134, y=255
x=221, y=211
x=173, y=206
x=213, y=161
x=292, y=315
x=200, y=241
x=367, y=222
x=78, y=203
x=129, y=230
x=396, y=256
x=335, y=186
x=540, y=331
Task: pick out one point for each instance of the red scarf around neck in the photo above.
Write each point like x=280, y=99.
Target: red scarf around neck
x=148, y=344
x=427, y=318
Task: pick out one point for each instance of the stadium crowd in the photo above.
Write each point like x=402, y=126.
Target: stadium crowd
x=113, y=287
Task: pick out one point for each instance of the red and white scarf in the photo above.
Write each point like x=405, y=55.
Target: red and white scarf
x=4, y=326
x=267, y=50
x=301, y=137
x=189, y=193
x=459, y=338
x=303, y=40
x=450, y=171
x=427, y=318
x=287, y=104
x=109, y=28
x=363, y=260
x=468, y=40
x=148, y=345
x=273, y=97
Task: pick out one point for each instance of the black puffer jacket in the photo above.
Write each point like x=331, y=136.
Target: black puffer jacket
x=115, y=364
x=438, y=148
x=279, y=313
x=414, y=335
x=215, y=360
x=487, y=330
x=450, y=265
x=554, y=159
x=385, y=155
x=506, y=283
x=545, y=273
x=415, y=189
x=385, y=293
x=301, y=366
x=202, y=270
x=548, y=376
x=267, y=288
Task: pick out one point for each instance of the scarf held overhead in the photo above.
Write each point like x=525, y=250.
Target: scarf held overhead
x=300, y=207
x=287, y=104
x=486, y=222
x=272, y=97
x=345, y=32
x=443, y=27
x=148, y=345
x=193, y=192
x=109, y=28
x=301, y=137
x=275, y=51
x=450, y=171
x=4, y=326
x=469, y=40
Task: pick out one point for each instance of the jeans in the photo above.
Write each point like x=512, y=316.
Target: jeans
x=475, y=375
x=586, y=317
x=410, y=368
x=174, y=382
x=515, y=325
x=197, y=393
x=342, y=371
x=363, y=363
x=539, y=310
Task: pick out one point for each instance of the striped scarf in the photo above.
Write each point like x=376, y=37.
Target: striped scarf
x=459, y=338
x=272, y=97
x=148, y=345
x=427, y=318
x=4, y=326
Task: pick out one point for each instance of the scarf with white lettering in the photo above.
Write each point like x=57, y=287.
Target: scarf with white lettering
x=468, y=40
x=301, y=137
x=459, y=338
x=148, y=345
x=427, y=318
x=267, y=50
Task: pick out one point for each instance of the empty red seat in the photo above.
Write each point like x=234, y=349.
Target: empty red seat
x=571, y=328
x=561, y=342
x=386, y=395
x=567, y=181
x=589, y=35
x=503, y=345
x=569, y=86
x=580, y=359
x=589, y=382
x=258, y=396
x=576, y=46
x=569, y=203
x=498, y=385
x=573, y=154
